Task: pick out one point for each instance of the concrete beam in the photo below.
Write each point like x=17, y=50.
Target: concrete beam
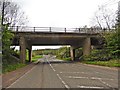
x=87, y=46
x=28, y=45
x=72, y=53
x=22, y=49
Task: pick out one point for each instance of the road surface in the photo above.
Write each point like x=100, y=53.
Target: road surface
x=53, y=73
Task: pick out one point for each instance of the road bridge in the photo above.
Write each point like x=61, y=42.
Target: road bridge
x=26, y=37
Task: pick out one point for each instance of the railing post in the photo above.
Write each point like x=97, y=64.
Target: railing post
x=17, y=29
x=65, y=30
x=34, y=29
x=79, y=30
x=50, y=29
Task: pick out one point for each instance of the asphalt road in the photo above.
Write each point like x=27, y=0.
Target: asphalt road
x=52, y=73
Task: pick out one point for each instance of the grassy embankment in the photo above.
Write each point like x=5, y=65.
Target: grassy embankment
x=66, y=59
x=110, y=63
x=13, y=66
x=36, y=57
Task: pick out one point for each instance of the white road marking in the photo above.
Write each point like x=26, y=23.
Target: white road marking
x=66, y=86
x=101, y=78
x=90, y=87
x=77, y=77
x=88, y=78
x=21, y=77
x=73, y=72
x=63, y=82
x=105, y=83
x=51, y=66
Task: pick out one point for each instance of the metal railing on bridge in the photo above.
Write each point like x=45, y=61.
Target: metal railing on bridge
x=54, y=29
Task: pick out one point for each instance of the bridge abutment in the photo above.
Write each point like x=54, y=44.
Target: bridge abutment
x=87, y=46
x=30, y=54
x=72, y=53
x=22, y=49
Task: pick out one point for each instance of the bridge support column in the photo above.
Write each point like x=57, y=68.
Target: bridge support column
x=22, y=49
x=87, y=46
x=72, y=53
x=30, y=54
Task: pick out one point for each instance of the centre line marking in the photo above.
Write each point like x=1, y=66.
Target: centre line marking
x=66, y=86
x=63, y=82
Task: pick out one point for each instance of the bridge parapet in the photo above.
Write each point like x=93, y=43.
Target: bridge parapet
x=55, y=29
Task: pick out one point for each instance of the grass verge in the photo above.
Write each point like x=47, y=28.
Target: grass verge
x=36, y=57
x=12, y=67
x=110, y=63
x=66, y=59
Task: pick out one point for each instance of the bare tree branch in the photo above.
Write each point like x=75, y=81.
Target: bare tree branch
x=13, y=15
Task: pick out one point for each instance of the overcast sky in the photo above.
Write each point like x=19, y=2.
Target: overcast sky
x=62, y=13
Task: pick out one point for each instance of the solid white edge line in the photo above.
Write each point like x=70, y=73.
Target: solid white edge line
x=20, y=77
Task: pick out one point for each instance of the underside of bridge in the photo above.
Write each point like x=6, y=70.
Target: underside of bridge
x=76, y=40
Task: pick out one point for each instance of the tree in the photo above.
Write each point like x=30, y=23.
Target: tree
x=6, y=43
x=12, y=14
x=11, y=17
x=6, y=40
x=105, y=18
x=113, y=39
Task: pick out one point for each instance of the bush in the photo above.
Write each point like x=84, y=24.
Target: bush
x=12, y=67
x=98, y=55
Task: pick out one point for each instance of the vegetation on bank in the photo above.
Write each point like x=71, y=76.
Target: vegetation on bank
x=108, y=55
x=110, y=63
x=11, y=17
x=36, y=57
x=12, y=67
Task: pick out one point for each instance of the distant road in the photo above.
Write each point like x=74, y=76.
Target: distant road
x=53, y=73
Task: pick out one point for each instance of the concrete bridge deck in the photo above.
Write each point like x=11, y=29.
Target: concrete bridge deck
x=77, y=37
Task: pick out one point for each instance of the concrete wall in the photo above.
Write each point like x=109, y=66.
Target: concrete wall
x=22, y=49
x=87, y=46
x=26, y=40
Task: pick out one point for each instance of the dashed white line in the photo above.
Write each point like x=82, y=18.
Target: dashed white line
x=105, y=83
x=63, y=82
x=73, y=72
x=66, y=86
x=51, y=66
x=77, y=77
x=90, y=87
x=88, y=78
